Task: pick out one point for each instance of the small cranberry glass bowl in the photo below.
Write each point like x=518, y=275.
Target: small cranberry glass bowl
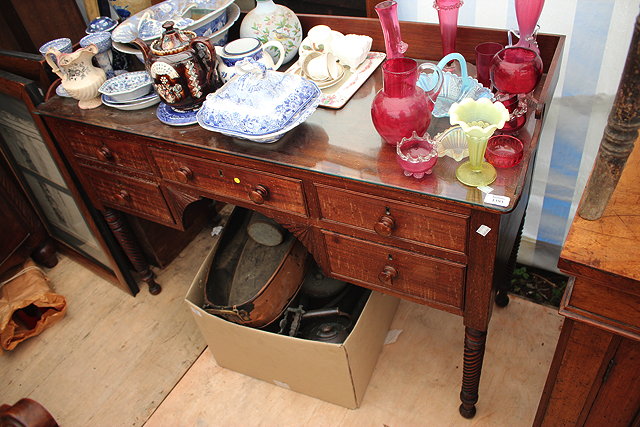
x=417, y=155
x=504, y=151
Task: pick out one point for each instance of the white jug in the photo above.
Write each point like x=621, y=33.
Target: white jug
x=246, y=48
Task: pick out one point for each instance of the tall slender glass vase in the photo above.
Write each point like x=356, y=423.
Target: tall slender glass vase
x=448, y=18
x=388, y=13
x=528, y=12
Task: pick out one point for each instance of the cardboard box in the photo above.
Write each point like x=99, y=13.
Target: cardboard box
x=336, y=373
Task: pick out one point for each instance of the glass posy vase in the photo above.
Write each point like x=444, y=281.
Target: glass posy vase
x=400, y=107
x=448, y=18
x=479, y=119
x=388, y=13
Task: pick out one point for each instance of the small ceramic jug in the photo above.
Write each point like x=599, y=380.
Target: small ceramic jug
x=79, y=77
x=246, y=48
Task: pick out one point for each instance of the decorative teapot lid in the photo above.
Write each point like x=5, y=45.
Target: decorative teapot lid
x=172, y=40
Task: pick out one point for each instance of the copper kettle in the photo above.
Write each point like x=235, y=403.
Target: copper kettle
x=182, y=66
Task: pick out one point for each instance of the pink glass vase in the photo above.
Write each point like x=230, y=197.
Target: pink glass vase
x=448, y=18
x=528, y=12
x=388, y=13
x=400, y=107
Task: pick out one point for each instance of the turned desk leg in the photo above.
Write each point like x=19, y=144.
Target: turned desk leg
x=474, y=341
x=123, y=234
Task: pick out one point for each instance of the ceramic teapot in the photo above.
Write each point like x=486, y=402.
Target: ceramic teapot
x=182, y=66
x=79, y=77
x=246, y=48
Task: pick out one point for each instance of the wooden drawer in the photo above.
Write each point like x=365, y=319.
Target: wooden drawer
x=400, y=221
x=233, y=182
x=606, y=304
x=133, y=195
x=423, y=279
x=105, y=146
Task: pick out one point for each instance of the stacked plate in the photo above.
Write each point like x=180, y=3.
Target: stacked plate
x=129, y=91
x=260, y=107
x=134, y=104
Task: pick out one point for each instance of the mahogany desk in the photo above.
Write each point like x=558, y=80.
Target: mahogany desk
x=333, y=183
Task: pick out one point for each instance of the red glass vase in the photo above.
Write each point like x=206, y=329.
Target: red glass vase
x=388, y=13
x=527, y=13
x=400, y=107
x=448, y=19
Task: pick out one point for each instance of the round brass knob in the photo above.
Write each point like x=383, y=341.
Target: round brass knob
x=385, y=225
x=105, y=154
x=123, y=196
x=184, y=174
x=259, y=194
x=387, y=275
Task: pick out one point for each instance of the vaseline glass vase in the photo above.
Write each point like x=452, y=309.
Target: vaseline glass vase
x=479, y=119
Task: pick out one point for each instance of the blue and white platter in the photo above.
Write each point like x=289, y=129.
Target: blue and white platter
x=260, y=107
x=170, y=116
x=204, y=17
x=60, y=91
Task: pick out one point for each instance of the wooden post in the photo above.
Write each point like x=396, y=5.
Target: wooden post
x=618, y=138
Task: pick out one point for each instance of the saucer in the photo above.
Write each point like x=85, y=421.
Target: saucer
x=171, y=116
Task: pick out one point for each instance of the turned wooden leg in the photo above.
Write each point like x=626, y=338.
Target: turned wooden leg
x=130, y=246
x=474, y=341
x=504, y=285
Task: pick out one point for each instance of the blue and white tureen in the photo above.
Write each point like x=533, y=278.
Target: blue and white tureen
x=260, y=106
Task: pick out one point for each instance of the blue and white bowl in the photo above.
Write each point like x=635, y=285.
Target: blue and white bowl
x=62, y=44
x=127, y=86
x=101, y=23
x=101, y=39
x=260, y=107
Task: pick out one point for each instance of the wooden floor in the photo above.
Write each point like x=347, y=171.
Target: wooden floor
x=122, y=361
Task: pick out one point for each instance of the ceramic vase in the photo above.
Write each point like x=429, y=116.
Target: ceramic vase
x=270, y=21
x=79, y=77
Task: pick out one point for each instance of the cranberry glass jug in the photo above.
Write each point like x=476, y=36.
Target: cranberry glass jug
x=400, y=107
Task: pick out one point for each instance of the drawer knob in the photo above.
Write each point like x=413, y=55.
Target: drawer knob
x=123, y=196
x=184, y=174
x=385, y=225
x=105, y=154
x=387, y=275
x=259, y=194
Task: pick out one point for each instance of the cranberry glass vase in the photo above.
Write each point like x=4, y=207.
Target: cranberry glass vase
x=528, y=12
x=448, y=18
x=400, y=107
x=515, y=71
x=388, y=13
